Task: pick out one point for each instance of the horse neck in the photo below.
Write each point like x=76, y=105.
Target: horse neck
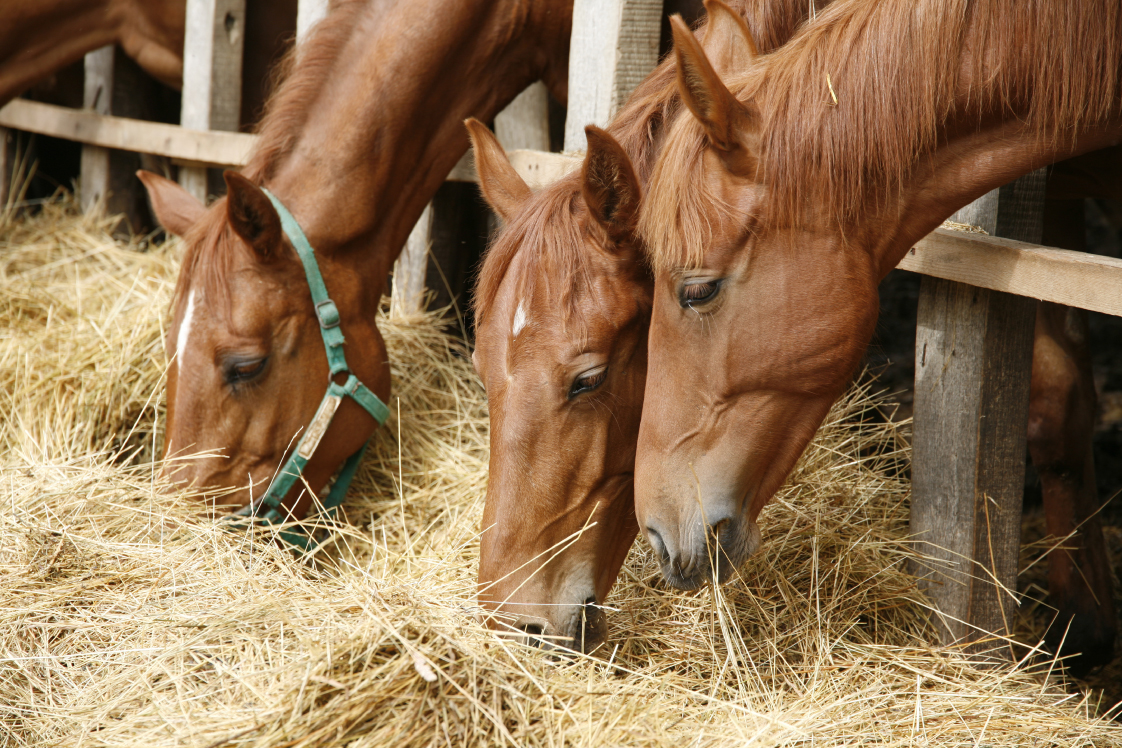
x=935, y=106
x=385, y=126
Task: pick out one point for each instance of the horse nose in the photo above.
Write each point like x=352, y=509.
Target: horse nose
x=712, y=555
x=588, y=628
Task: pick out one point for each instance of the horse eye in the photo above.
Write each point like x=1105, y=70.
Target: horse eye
x=695, y=294
x=588, y=381
x=239, y=372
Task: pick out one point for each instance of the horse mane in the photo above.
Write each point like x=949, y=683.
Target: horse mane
x=298, y=78
x=899, y=70
x=549, y=226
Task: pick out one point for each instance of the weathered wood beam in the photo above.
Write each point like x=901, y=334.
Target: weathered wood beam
x=614, y=46
x=212, y=75
x=1073, y=278
x=973, y=366
x=308, y=14
x=198, y=147
x=97, y=97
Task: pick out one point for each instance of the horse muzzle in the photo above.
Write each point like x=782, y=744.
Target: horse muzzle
x=577, y=628
x=695, y=553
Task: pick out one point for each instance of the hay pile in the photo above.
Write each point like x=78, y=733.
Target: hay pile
x=124, y=621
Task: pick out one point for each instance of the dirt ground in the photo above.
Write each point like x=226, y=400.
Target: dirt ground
x=892, y=354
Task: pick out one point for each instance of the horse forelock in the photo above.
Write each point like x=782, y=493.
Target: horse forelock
x=548, y=236
x=208, y=259
x=860, y=94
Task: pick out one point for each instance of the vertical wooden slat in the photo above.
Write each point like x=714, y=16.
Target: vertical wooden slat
x=7, y=165
x=408, y=293
x=613, y=47
x=212, y=75
x=98, y=97
x=525, y=122
x=973, y=367
x=308, y=14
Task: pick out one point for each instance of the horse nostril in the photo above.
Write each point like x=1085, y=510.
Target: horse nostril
x=657, y=544
x=533, y=633
x=591, y=600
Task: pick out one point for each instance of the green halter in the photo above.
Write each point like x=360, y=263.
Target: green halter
x=328, y=315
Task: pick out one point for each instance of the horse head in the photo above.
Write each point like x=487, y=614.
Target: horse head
x=757, y=327
x=248, y=366
x=562, y=313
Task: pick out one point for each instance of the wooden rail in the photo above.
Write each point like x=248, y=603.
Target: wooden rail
x=1073, y=278
x=84, y=126
x=214, y=147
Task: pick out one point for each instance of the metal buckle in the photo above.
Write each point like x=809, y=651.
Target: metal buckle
x=328, y=314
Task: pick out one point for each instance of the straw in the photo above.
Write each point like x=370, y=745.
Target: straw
x=126, y=619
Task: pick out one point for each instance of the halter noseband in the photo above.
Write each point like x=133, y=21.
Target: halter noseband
x=328, y=315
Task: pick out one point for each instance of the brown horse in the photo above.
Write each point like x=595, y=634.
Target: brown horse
x=562, y=313
x=358, y=137
x=783, y=197
x=40, y=37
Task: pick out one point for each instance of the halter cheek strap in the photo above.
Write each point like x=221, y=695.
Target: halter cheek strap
x=328, y=315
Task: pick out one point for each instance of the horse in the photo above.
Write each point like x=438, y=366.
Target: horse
x=40, y=37
x=785, y=192
x=562, y=310
x=360, y=133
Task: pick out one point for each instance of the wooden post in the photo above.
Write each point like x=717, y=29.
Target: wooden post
x=308, y=14
x=7, y=167
x=525, y=122
x=973, y=367
x=98, y=97
x=212, y=75
x=614, y=46
x=408, y=293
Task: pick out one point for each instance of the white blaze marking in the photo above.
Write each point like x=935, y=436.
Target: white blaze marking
x=185, y=327
x=520, y=320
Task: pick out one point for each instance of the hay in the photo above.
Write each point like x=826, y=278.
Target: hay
x=126, y=621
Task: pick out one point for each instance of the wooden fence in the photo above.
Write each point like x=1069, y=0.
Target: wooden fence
x=976, y=311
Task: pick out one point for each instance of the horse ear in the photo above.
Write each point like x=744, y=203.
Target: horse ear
x=176, y=209
x=728, y=40
x=609, y=185
x=728, y=123
x=504, y=190
x=252, y=216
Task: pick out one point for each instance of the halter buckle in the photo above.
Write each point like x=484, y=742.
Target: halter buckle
x=328, y=314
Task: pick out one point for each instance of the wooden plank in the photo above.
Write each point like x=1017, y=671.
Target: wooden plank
x=308, y=14
x=524, y=124
x=212, y=75
x=536, y=167
x=614, y=46
x=172, y=141
x=1073, y=278
x=216, y=148
x=97, y=97
x=973, y=367
x=408, y=292
x=7, y=166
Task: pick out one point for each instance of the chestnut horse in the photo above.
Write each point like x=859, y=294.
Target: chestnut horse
x=356, y=140
x=40, y=37
x=562, y=312
x=783, y=196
